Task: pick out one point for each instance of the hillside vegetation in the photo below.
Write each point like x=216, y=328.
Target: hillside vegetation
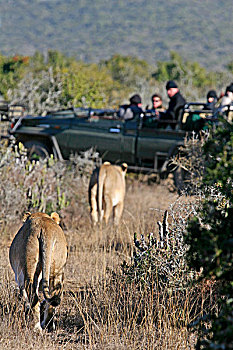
x=58, y=81
x=199, y=30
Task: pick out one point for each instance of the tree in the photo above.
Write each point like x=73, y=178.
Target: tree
x=230, y=66
x=88, y=85
x=40, y=92
x=127, y=69
x=131, y=75
x=189, y=74
x=12, y=70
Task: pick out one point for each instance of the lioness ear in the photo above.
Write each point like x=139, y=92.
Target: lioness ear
x=124, y=167
x=26, y=216
x=107, y=163
x=56, y=217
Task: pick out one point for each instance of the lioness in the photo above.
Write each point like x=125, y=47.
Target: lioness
x=39, y=251
x=107, y=192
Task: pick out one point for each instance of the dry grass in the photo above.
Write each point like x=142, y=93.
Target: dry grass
x=99, y=309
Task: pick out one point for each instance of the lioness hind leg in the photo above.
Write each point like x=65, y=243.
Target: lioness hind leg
x=93, y=204
x=108, y=208
x=48, y=316
x=36, y=316
x=23, y=296
x=94, y=217
x=49, y=309
x=31, y=290
x=117, y=212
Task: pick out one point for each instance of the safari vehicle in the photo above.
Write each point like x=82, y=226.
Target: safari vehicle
x=196, y=117
x=3, y=110
x=9, y=112
x=143, y=146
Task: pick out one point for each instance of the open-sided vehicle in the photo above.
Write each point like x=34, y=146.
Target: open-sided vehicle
x=143, y=146
x=8, y=113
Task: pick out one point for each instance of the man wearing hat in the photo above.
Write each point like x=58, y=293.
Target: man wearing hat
x=176, y=103
x=131, y=110
x=212, y=99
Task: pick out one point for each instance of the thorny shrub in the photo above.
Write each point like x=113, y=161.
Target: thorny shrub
x=159, y=260
x=44, y=185
x=189, y=163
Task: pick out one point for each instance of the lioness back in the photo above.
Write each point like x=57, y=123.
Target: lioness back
x=24, y=249
x=39, y=250
x=107, y=192
x=114, y=184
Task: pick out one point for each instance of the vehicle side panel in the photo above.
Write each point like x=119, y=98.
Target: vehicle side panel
x=154, y=141
x=104, y=135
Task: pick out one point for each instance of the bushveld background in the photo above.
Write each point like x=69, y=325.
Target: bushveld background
x=198, y=30
x=54, y=81
x=148, y=305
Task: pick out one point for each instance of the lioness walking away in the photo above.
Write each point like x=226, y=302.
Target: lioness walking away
x=107, y=192
x=39, y=251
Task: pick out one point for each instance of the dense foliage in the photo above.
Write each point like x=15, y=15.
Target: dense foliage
x=58, y=81
x=209, y=236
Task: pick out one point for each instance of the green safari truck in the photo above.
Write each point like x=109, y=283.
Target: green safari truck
x=143, y=146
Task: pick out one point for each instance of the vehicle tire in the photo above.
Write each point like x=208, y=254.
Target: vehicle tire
x=36, y=150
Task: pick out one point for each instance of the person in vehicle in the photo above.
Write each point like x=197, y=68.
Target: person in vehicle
x=152, y=115
x=177, y=102
x=226, y=105
x=157, y=104
x=131, y=110
x=212, y=99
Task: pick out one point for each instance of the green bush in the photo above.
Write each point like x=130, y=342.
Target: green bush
x=209, y=237
x=45, y=185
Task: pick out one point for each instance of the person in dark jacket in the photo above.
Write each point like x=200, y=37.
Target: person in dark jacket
x=131, y=110
x=212, y=99
x=176, y=103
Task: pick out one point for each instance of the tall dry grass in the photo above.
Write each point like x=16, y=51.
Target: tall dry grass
x=100, y=309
